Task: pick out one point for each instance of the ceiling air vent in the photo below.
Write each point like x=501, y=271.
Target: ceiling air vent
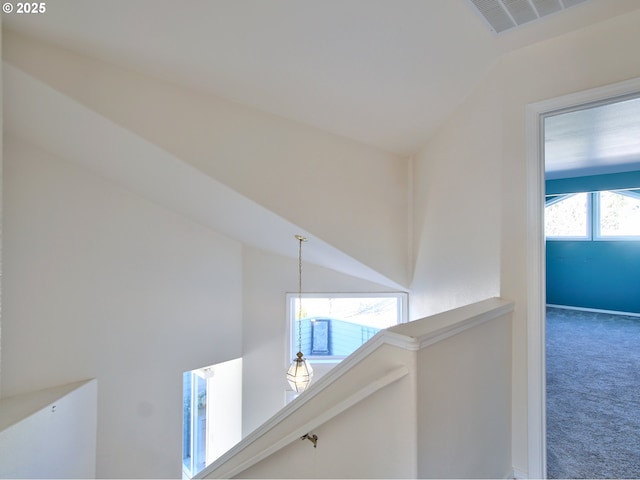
x=502, y=15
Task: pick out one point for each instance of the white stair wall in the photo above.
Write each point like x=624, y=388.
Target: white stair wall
x=50, y=433
x=427, y=399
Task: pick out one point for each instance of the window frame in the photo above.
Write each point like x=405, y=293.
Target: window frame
x=292, y=343
x=195, y=453
x=597, y=221
x=557, y=198
x=593, y=217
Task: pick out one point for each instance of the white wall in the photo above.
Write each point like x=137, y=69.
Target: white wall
x=100, y=283
x=224, y=408
x=267, y=279
x=303, y=174
x=359, y=443
x=426, y=399
x=58, y=440
x=480, y=249
x=457, y=184
x=482, y=150
x=464, y=411
x=596, y=56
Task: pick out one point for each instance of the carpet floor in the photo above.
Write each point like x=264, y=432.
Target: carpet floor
x=593, y=395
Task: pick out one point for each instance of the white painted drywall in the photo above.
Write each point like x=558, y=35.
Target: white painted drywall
x=481, y=152
x=487, y=147
x=457, y=199
x=464, y=406
x=100, y=283
x=296, y=171
x=595, y=56
x=127, y=160
x=57, y=440
x=448, y=414
x=359, y=443
x=224, y=408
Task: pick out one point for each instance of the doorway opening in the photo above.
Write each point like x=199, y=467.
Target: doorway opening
x=536, y=268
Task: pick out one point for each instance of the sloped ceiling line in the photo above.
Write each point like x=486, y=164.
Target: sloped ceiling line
x=135, y=164
x=383, y=72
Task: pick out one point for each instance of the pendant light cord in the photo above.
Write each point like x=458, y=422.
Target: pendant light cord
x=300, y=372
x=300, y=240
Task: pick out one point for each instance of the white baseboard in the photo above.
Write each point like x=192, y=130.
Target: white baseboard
x=595, y=310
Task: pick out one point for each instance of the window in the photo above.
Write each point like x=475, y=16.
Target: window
x=567, y=217
x=335, y=325
x=212, y=414
x=619, y=215
x=194, y=417
x=606, y=215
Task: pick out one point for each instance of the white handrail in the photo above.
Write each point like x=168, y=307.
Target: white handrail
x=297, y=433
x=411, y=336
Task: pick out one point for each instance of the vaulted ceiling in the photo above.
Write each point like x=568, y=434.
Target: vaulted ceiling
x=383, y=72
x=596, y=139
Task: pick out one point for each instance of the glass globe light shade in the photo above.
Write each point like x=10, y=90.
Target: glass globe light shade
x=299, y=374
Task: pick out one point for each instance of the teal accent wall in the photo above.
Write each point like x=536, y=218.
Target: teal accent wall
x=594, y=274
x=594, y=183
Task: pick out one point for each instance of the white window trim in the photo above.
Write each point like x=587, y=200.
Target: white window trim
x=597, y=234
x=593, y=218
x=292, y=344
x=590, y=216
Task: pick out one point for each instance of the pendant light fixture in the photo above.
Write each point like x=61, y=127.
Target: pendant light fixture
x=300, y=372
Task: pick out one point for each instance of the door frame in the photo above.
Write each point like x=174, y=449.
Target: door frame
x=536, y=271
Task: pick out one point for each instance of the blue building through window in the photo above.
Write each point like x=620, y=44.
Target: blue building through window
x=335, y=325
x=330, y=337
